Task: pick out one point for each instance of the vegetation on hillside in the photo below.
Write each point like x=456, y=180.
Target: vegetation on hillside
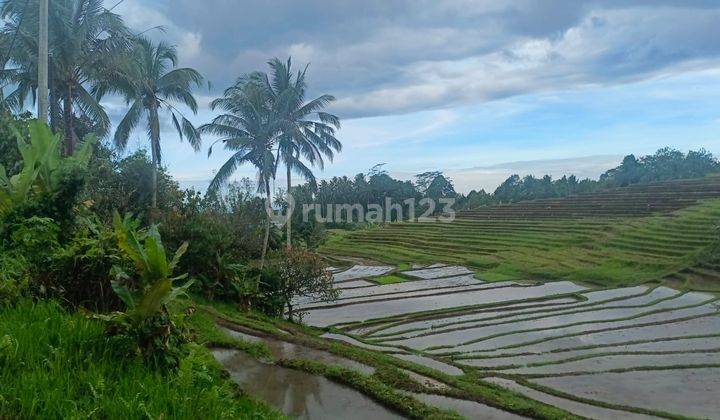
x=607, y=247
x=377, y=188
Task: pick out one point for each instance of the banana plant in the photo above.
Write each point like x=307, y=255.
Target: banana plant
x=41, y=165
x=146, y=292
x=153, y=270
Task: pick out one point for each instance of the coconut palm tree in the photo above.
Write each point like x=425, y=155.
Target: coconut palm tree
x=306, y=131
x=150, y=82
x=85, y=42
x=248, y=128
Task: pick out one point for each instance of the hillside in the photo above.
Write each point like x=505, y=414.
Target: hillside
x=623, y=236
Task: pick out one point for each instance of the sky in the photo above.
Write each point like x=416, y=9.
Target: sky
x=478, y=89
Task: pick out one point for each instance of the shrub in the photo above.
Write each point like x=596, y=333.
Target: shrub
x=80, y=270
x=292, y=273
x=124, y=185
x=14, y=278
x=47, y=180
x=12, y=126
x=225, y=232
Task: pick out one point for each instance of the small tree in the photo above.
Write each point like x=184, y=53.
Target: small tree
x=302, y=273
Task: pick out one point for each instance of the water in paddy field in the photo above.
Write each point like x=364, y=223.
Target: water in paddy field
x=639, y=348
x=284, y=350
x=299, y=394
x=690, y=391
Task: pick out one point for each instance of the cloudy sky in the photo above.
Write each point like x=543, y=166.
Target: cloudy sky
x=480, y=89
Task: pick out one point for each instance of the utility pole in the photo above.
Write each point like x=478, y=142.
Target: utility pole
x=43, y=62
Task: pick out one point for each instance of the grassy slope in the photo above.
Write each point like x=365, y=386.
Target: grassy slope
x=608, y=251
x=57, y=365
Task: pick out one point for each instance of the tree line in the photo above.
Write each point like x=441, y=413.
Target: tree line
x=376, y=186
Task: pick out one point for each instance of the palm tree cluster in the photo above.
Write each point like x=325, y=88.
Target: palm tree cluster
x=266, y=120
x=92, y=53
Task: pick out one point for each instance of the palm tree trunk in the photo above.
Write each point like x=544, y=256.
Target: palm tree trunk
x=154, y=146
x=288, y=214
x=267, y=224
x=54, y=111
x=68, y=123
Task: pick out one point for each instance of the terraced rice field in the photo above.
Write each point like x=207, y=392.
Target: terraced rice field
x=642, y=351
x=621, y=237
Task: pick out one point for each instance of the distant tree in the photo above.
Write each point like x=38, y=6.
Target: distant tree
x=424, y=179
x=700, y=163
x=377, y=169
x=664, y=164
x=476, y=199
x=507, y=191
x=629, y=172
x=440, y=187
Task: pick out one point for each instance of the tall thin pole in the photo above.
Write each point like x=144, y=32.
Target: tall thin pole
x=43, y=62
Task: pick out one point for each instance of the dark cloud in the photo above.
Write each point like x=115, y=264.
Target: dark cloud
x=384, y=57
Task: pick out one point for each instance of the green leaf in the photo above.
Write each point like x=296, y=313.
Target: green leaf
x=124, y=294
x=152, y=300
x=128, y=241
x=177, y=125
x=156, y=263
x=176, y=258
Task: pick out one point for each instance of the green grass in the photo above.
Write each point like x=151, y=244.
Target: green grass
x=609, y=251
x=389, y=279
x=59, y=365
x=403, y=267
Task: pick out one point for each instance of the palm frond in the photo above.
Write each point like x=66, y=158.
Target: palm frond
x=128, y=124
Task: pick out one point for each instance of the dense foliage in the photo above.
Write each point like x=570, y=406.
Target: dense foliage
x=146, y=292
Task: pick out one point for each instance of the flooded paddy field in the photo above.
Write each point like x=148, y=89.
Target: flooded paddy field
x=299, y=394
x=692, y=392
x=637, y=352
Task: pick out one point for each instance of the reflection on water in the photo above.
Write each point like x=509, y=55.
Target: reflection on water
x=299, y=394
x=280, y=349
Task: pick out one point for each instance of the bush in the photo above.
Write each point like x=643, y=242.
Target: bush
x=80, y=270
x=124, y=185
x=14, y=278
x=224, y=232
x=48, y=184
x=10, y=127
x=292, y=273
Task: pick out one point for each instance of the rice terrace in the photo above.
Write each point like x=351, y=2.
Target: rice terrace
x=359, y=210
x=601, y=305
